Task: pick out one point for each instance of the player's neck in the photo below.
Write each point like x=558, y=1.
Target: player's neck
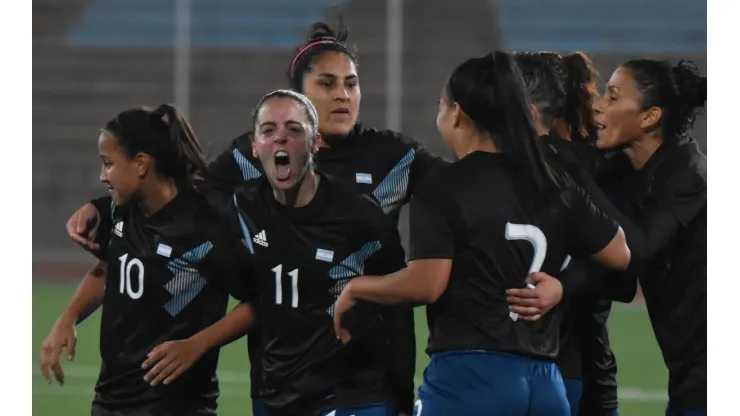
x=156, y=196
x=301, y=194
x=478, y=141
x=641, y=150
x=561, y=129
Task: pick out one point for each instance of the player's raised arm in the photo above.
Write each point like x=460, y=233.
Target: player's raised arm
x=87, y=299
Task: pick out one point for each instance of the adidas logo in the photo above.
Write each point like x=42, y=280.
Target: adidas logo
x=118, y=229
x=261, y=239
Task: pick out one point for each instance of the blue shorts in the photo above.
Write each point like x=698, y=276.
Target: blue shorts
x=467, y=383
x=671, y=412
x=258, y=409
x=378, y=409
x=573, y=390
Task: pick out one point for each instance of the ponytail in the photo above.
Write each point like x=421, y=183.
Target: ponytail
x=578, y=77
x=167, y=137
x=490, y=90
x=187, y=163
x=580, y=93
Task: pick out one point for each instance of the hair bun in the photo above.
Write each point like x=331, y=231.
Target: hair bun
x=321, y=30
x=691, y=85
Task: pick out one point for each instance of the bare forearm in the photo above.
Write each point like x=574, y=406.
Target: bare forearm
x=229, y=328
x=89, y=295
x=395, y=288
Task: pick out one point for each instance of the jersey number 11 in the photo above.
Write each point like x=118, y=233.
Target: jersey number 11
x=278, y=270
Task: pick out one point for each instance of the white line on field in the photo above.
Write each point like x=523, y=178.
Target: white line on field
x=236, y=384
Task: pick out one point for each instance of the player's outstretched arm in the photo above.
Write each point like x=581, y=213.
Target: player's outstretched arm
x=171, y=359
x=86, y=300
x=423, y=281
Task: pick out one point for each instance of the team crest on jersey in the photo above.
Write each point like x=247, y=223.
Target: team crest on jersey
x=261, y=239
x=118, y=228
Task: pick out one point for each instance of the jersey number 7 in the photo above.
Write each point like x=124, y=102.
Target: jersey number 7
x=538, y=240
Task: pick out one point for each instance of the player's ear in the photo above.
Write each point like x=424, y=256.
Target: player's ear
x=316, y=143
x=535, y=114
x=650, y=119
x=457, y=115
x=142, y=164
x=254, y=150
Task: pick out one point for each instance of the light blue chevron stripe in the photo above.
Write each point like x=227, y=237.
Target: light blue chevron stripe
x=247, y=168
x=352, y=266
x=391, y=192
x=187, y=282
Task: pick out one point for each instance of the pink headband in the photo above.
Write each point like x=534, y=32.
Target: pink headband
x=305, y=48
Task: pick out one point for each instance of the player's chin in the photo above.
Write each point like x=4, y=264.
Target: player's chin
x=338, y=127
x=606, y=140
x=117, y=198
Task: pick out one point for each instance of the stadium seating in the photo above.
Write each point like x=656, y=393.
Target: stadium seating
x=604, y=25
x=215, y=23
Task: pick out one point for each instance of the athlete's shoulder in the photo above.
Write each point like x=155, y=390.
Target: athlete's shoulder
x=387, y=138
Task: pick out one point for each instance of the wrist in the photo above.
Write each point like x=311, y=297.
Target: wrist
x=201, y=342
x=68, y=317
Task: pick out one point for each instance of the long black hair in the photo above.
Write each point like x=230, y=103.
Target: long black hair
x=167, y=137
x=543, y=85
x=490, y=90
x=578, y=75
x=678, y=90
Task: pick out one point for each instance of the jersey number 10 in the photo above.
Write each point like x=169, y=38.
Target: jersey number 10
x=125, y=276
x=278, y=270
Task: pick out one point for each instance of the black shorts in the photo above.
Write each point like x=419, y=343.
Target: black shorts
x=165, y=407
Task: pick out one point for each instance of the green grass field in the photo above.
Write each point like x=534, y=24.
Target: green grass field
x=642, y=375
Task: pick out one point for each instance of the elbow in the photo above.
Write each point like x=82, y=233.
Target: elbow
x=623, y=256
x=430, y=295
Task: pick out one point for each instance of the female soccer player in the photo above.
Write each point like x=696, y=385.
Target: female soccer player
x=382, y=164
x=478, y=228
x=648, y=109
x=168, y=272
x=305, y=236
x=562, y=91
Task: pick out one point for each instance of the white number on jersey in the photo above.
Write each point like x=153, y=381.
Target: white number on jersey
x=278, y=270
x=538, y=240
x=125, y=276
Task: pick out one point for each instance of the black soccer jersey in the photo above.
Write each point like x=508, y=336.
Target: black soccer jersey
x=382, y=164
x=302, y=258
x=666, y=229
x=483, y=214
x=167, y=279
x=585, y=352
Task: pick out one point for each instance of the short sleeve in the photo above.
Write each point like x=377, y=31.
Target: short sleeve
x=590, y=229
x=432, y=234
x=424, y=163
x=110, y=215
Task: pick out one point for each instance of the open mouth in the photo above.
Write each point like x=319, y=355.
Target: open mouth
x=600, y=126
x=282, y=165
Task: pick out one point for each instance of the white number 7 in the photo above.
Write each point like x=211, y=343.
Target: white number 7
x=538, y=240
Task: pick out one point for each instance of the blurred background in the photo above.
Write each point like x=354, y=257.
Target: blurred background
x=215, y=58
